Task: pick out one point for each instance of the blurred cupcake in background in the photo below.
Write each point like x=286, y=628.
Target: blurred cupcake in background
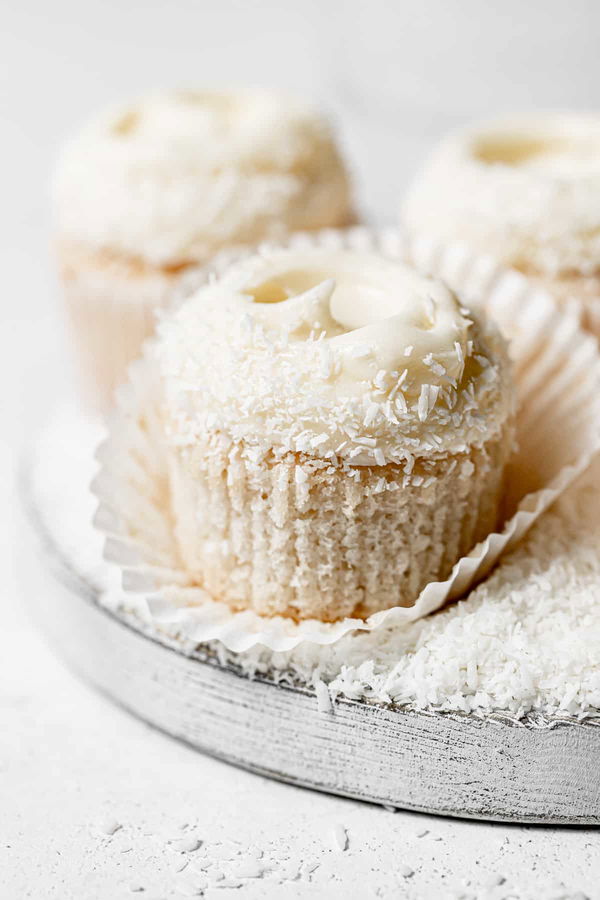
x=150, y=190
x=525, y=190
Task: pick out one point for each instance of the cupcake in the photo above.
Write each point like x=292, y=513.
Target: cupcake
x=337, y=432
x=526, y=191
x=150, y=190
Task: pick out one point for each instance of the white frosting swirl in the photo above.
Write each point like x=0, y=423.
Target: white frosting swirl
x=525, y=190
x=336, y=354
x=176, y=175
x=369, y=310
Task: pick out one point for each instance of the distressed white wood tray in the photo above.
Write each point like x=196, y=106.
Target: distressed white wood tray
x=533, y=771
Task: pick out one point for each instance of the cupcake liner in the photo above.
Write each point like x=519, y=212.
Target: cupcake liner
x=557, y=373
x=324, y=565
x=582, y=293
x=112, y=310
x=580, y=301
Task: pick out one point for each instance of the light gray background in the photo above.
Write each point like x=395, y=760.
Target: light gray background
x=395, y=76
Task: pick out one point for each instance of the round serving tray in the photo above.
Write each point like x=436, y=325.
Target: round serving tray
x=459, y=765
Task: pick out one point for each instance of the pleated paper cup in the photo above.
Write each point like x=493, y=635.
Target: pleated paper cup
x=580, y=293
x=557, y=376
x=112, y=305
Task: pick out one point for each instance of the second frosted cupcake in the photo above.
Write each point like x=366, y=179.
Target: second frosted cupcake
x=338, y=430
x=151, y=189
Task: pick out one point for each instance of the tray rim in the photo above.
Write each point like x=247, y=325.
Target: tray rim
x=481, y=733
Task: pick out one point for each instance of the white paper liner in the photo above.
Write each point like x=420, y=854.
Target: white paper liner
x=557, y=373
x=111, y=313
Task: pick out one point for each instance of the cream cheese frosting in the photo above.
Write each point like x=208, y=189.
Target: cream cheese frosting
x=175, y=175
x=337, y=354
x=524, y=189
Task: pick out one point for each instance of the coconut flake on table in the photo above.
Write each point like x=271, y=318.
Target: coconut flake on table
x=340, y=837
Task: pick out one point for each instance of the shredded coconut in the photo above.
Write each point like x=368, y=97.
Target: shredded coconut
x=323, y=697
x=526, y=640
x=340, y=837
x=241, y=358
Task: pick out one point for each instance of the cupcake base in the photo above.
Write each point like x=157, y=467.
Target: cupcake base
x=294, y=536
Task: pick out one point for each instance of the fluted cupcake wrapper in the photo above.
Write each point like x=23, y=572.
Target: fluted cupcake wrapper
x=112, y=310
x=296, y=536
x=557, y=375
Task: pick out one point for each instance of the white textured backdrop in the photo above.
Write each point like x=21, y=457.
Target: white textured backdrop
x=396, y=75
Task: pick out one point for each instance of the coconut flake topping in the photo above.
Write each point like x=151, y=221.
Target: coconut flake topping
x=335, y=354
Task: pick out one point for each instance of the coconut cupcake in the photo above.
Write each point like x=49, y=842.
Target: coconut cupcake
x=526, y=191
x=338, y=429
x=149, y=190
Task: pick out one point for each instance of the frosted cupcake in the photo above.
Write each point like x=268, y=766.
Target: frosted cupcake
x=338, y=429
x=149, y=190
x=526, y=191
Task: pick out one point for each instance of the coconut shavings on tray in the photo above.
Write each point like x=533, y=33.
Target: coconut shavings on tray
x=526, y=640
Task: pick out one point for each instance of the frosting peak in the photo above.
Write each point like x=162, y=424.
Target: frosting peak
x=525, y=190
x=376, y=313
x=178, y=122
x=175, y=176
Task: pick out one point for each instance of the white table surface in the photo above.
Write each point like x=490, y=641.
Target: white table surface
x=397, y=77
